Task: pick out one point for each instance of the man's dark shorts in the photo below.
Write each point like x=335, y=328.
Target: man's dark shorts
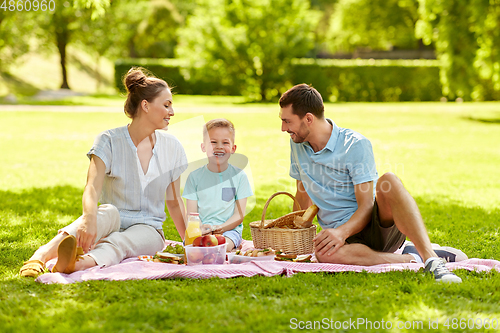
x=377, y=237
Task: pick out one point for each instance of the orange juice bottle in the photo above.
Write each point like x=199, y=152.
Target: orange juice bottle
x=193, y=228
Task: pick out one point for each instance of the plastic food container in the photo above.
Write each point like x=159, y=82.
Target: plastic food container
x=237, y=259
x=210, y=255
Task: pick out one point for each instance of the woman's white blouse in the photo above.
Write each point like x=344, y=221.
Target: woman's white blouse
x=139, y=197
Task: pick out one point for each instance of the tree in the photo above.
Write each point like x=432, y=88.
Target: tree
x=13, y=26
x=156, y=35
x=375, y=24
x=247, y=45
x=59, y=27
x=467, y=40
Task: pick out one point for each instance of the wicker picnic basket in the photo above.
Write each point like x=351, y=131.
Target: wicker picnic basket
x=282, y=233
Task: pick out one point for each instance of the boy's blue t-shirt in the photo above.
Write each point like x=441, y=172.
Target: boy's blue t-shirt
x=217, y=193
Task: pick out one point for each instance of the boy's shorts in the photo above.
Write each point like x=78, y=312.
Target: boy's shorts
x=377, y=237
x=233, y=235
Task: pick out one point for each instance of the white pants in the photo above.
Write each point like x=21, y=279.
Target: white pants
x=114, y=244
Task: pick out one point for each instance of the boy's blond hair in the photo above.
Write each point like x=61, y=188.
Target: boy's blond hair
x=219, y=122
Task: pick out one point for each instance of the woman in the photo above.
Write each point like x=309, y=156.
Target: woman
x=131, y=169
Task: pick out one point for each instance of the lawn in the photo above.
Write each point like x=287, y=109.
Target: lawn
x=447, y=155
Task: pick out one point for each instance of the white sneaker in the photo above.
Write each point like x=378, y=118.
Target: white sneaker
x=441, y=273
x=459, y=255
x=449, y=254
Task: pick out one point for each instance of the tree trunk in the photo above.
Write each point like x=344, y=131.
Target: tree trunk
x=131, y=48
x=97, y=74
x=62, y=42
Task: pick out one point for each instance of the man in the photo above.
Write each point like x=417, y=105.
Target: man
x=364, y=218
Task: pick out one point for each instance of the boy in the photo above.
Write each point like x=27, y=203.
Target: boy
x=218, y=191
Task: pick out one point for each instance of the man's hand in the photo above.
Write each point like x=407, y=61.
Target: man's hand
x=328, y=241
x=87, y=233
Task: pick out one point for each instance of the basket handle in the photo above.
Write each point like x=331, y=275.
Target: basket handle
x=269, y=201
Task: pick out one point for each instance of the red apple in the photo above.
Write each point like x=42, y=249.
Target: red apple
x=220, y=239
x=209, y=240
x=195, y=256
x=209, y=259
x=197, y=241
x=219, y=260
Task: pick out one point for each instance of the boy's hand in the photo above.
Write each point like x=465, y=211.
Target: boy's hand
x=217, y=229
x=206, y=229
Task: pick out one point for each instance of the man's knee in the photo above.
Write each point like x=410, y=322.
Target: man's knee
x=388, y=184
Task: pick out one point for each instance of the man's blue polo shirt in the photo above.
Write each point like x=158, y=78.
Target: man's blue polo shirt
x=330, y=174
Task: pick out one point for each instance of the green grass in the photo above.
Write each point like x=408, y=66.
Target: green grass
x=446, y=154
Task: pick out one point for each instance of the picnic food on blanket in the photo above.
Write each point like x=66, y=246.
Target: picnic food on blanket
x=209, y=259
x=193, y=228
x=287, y=232
x=177, y=249
x=220, y=239
x=173, y=254
x=256, y=253
x=241, y=257
x=168, y=258
x=209, y=240
x=197, y=255
x=282, y=256
x=197, y=241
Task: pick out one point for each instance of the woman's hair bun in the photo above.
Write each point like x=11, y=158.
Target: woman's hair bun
x=135, y=78
x=141, y=85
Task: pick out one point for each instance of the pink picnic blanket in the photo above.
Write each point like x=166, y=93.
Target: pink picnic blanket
x=135, y=269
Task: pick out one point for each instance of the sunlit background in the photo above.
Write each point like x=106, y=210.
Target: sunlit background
x=351, y=50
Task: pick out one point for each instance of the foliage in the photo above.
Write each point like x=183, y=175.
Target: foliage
x=13, y=25
x=370, y=80
x=337, y=80
x=376, y=24
x=468, y=43
x=247, y=45
x=326, y=8
x=17, y=27
x=173, y=71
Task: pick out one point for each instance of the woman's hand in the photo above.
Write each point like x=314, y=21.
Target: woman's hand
x=86, y=233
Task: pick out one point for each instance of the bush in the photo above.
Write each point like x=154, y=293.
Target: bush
x=361, y=80
x=175, y=72
x=354, y=80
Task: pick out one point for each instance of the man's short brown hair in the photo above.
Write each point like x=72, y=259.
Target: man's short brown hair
x=304, y=99
x=219, y=122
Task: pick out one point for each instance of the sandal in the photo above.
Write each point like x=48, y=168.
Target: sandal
x=32, y=268
x=67, y=255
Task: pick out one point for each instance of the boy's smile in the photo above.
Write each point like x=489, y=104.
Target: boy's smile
x=219, y=147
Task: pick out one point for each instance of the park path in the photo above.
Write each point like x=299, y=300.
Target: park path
x=193, y=108
x=59, y=108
